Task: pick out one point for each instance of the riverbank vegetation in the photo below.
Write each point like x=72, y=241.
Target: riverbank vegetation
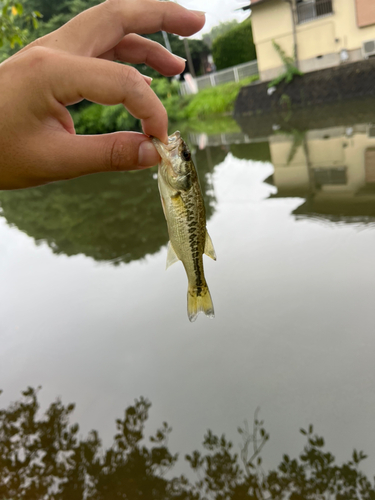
x=28, y=20
x=211, y=102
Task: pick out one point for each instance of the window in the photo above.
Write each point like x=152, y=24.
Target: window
x=329, y=176
x=365, y=12
x=307, y=10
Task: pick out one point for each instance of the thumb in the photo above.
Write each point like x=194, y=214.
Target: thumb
x=87, y=154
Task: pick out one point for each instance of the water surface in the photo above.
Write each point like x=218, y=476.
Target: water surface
x=89, y=313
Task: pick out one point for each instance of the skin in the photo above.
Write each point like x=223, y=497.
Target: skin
x=38, y=143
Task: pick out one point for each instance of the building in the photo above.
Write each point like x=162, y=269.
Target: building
x=322, y=33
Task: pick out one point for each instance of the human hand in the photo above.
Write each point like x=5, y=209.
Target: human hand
x=37, y=138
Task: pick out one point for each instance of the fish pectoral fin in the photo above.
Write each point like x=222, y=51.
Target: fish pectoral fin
x=163, y=205
x=209, y=248
x=171, y=256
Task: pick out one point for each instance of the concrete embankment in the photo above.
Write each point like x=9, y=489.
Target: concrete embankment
x=331, y=95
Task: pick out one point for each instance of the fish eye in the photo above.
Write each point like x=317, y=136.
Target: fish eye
x=186, y=154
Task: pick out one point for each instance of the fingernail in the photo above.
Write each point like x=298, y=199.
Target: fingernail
x=148, y=79
x=199, y=13
x=181, y=58
x=147, y=155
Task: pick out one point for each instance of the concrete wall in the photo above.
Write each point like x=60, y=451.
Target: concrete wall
x=339, y=86
x=319, y=41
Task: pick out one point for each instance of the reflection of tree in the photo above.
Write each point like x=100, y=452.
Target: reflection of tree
x=357, y=211
x=110, y=217
x=43, y=458
x=257, y=151
x=210, y=157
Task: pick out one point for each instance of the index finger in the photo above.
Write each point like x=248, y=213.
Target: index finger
x=104, y=82
x=100, y=28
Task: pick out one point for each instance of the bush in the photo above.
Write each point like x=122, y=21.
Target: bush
x=92, y=118
x=98, y=119
x=234, y=47
x=216, y=100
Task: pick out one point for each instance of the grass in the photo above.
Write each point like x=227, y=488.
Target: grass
x=215, y=100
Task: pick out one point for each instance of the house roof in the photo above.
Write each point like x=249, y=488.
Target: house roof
x=253, y=2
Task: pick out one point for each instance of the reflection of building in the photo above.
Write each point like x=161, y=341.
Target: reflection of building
x=323, y=32
x=333, y=168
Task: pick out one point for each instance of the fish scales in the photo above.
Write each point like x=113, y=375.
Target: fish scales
x=186, y=220
x=191, y=223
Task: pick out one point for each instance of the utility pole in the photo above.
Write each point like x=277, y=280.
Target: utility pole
x=293, y=14
x=188, y=57
x=166, y=41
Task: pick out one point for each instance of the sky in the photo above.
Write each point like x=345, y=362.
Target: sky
x=217, y=11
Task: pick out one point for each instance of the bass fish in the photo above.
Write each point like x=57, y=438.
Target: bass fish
x=184, y=211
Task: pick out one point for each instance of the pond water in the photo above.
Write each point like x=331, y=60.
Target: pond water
x=89, y=313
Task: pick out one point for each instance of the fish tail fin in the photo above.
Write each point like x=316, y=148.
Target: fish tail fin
x=199, y=300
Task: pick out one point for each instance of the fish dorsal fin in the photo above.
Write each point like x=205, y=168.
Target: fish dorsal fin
x=209, y=248
x=171, y=256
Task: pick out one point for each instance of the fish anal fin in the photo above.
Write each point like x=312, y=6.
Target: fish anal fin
x=171, y=256
x=209, y=248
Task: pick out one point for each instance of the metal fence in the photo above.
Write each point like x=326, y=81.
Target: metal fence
x=307, y=10
x=203, y=140
x=234, y=74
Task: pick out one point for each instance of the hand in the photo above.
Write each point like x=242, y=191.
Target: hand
x=37, y=138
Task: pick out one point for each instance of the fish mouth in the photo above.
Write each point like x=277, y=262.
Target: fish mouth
x=165, y=150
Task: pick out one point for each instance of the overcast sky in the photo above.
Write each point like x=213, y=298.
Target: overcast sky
x=217, y=11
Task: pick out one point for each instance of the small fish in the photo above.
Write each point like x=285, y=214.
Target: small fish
x=184, y=211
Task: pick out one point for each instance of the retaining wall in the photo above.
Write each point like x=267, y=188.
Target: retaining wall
x=341, y=83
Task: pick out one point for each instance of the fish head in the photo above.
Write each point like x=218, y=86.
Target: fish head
x=176, y=165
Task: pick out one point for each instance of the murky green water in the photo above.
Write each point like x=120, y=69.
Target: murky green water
x=89, y=313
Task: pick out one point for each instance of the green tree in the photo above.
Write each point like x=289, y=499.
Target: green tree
x=49, y=8
x=198, y=50
x=15, y=20
x=217, y=31
x=55, y=14
x=234, y=47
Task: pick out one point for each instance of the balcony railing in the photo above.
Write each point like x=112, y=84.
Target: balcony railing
x=307, y=10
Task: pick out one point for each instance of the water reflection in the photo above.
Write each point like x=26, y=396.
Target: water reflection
x=113, y=217
x=324, y=154
x=118, y=217
x=293, y=337
x=44, y=457
x=332, y=168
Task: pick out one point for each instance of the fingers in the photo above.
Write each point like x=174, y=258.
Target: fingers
x=102, y=27
x=74, y=78
x=82, y=155
x=136, y=49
